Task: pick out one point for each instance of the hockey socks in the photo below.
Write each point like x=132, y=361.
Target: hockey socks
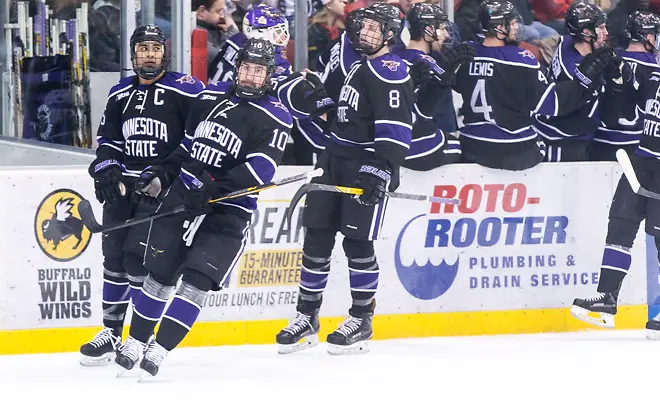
x=116, y=296
x=148, y=308
x=615, y=266
x=363, y=274
x=180, y=315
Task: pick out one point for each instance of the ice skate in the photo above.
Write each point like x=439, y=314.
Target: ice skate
x=300, y=334
x=101, y=350
x=352, y=336
x=153, y=358
x=129, y=354
x=604, y=305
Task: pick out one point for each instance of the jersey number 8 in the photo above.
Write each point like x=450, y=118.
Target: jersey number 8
x=395, y=102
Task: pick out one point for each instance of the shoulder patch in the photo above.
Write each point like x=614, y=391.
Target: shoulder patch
x=182, y=83
x=389, y=68
x=274, y=109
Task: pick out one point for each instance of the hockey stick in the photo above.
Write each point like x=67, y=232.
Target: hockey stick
x=314, y=187
x=628, y=170
x=87, y=214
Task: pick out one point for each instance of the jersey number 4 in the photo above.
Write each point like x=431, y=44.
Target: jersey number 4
x=478, y=102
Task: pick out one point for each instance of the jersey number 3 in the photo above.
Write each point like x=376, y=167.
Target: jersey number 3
x=479, y=96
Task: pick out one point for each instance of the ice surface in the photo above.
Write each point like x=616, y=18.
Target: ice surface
x=585, y=365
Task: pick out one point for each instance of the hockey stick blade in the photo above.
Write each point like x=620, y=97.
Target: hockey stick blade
x=314, y=187
x=628, y=170
x=90, y=221
x=87, y=216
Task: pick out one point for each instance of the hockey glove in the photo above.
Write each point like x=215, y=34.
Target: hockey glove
x=420, y=72
x=107, y=181
x=373, y=179
x=196, y=198
x=618, y=73
x=451, y=59
x=590, y=71
x=307, y=98
x=152, y=181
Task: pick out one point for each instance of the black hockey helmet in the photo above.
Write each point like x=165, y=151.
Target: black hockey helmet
x=493, y=14
x=640, y=25
x=422, y=16
x=386, y=16
x=581, y=16
x=256, y=51
x=148, y=33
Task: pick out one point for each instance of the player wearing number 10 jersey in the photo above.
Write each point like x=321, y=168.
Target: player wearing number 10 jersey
x=504, y=85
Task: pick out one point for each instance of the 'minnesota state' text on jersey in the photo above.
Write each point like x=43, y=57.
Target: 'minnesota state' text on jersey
x=239, y=147
x=622, y=122
x=649, y=142
x=374, y=113
x=143, y=124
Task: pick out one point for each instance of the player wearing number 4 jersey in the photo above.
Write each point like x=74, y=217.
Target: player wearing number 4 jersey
x=504, y=85
x=370, y=138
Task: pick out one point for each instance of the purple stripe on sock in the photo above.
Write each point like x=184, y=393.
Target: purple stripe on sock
x=182, y=311
x=135, y=293
x=149, y=307
x=363, y=280
x=616, y=259
x=114, y=292
x=313, y=281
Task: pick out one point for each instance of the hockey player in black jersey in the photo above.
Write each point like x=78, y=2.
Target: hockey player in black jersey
x=141, y=127
x=628, y=209
x=370, y=137
x=432, y=69
x=303, y=94
x=623, y=129
x=568, y=137
x=235, y=138
x=504, y=86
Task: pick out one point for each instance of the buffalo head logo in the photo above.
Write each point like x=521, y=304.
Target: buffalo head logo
x=58, y=228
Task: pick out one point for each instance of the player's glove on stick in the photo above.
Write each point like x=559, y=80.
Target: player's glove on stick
x=373, y=179
x=107, y=180
x=451, y=59
x=200, y=191
x=591, y=69
x=152, y=181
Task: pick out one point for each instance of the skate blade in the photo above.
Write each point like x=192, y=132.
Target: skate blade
x=127, y=373
x=102, y=361
x=605, y=320
x=355, y=348
x=146, y=377
x=652, y=334
x=303, y=344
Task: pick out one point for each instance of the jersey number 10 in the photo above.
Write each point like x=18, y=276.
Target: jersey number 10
x=479, y=95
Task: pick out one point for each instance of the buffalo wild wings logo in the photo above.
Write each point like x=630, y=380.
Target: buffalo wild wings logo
x=58, y=228
x=391, y=65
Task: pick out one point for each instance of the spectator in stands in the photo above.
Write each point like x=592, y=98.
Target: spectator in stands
x=617, y=19
x=211, y=18
x=551, y=13
x=105, y=36
x=325, y=27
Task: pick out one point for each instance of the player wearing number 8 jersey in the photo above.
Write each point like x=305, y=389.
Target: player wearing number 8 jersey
x=504, y=85
x=370, y=138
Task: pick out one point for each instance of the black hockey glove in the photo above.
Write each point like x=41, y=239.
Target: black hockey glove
x=373, y=179
x=451, y=59
x=196, y=199
x=590, y=71
x=307, y=96
x=152, y=181
x=420, y=72
x=107, y=181
x=618, y=74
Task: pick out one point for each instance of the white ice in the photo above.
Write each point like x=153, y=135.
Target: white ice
x=585, y=365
